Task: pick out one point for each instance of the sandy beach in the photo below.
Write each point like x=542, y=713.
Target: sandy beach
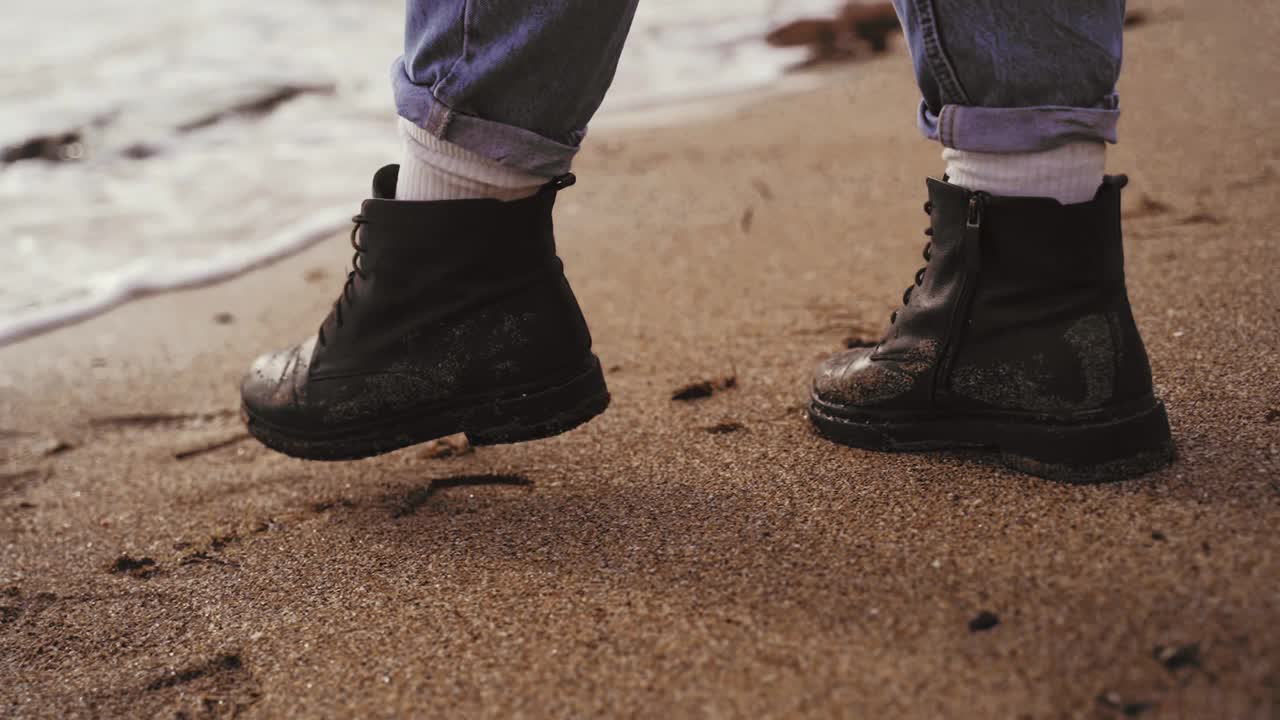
x=702, y=558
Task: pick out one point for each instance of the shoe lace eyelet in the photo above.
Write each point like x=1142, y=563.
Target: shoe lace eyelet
x=919, y=277
x=357, y=271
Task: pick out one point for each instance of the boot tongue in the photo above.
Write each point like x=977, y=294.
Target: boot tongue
x=950, y=205
x=384, y=182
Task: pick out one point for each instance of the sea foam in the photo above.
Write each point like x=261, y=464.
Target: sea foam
x=211, y=137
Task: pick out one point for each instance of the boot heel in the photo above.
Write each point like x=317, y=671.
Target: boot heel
x=1099, y=452
x=541, y=414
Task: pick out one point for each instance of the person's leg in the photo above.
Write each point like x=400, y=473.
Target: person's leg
x=1021, y=95
x=457, y=316
x=495, y=97
x=1017, y=335
x=1002, y=76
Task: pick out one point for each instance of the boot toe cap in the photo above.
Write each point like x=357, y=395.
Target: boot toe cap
x=853, y=378
x=269, y=390
x=830, y=378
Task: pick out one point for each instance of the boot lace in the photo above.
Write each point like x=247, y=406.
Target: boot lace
x=357, y=271
x=928, y=254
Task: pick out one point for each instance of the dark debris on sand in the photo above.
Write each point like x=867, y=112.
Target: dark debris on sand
x=326, y=505
x=1135, y=18
x=262, y=104
x=1177, y=657
x=1147, y=206
x=1201, y=218
x=210, y=447
x=146, y=421
x=227, y=662
x=984, y=620
x=856, y=31
x=56, y=147
x=141, y=568
x=860, y=341
x=1129, y=708
x=725, y=428
x=54, y=446
x=704, y=388
x=140, y=151
x=207, y=550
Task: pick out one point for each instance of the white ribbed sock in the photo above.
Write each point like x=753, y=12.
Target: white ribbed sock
x=1069, y=174
x=434, y=169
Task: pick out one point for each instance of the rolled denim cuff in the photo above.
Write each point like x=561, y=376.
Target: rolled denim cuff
x=509, y=145
x=1019, y=129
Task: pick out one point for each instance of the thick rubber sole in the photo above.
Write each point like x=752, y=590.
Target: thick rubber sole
x=542, y=411
x=1132, y=442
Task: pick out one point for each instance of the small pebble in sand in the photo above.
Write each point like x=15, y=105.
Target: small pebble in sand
x=1177, y=657
x=984, y=620
x=447, y=447
x=1129, y=708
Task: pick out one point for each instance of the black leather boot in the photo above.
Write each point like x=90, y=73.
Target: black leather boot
x=1017, y=336
x=456, y=318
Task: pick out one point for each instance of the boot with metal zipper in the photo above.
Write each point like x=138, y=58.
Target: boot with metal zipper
x=1017, y=337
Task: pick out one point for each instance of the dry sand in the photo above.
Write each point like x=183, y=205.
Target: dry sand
x=644, y=565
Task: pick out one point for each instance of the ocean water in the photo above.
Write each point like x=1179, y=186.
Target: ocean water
x=209, y=137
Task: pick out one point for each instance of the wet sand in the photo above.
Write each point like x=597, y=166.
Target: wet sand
x=705, y=557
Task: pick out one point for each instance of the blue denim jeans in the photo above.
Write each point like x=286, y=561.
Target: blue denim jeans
x=518, y=82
